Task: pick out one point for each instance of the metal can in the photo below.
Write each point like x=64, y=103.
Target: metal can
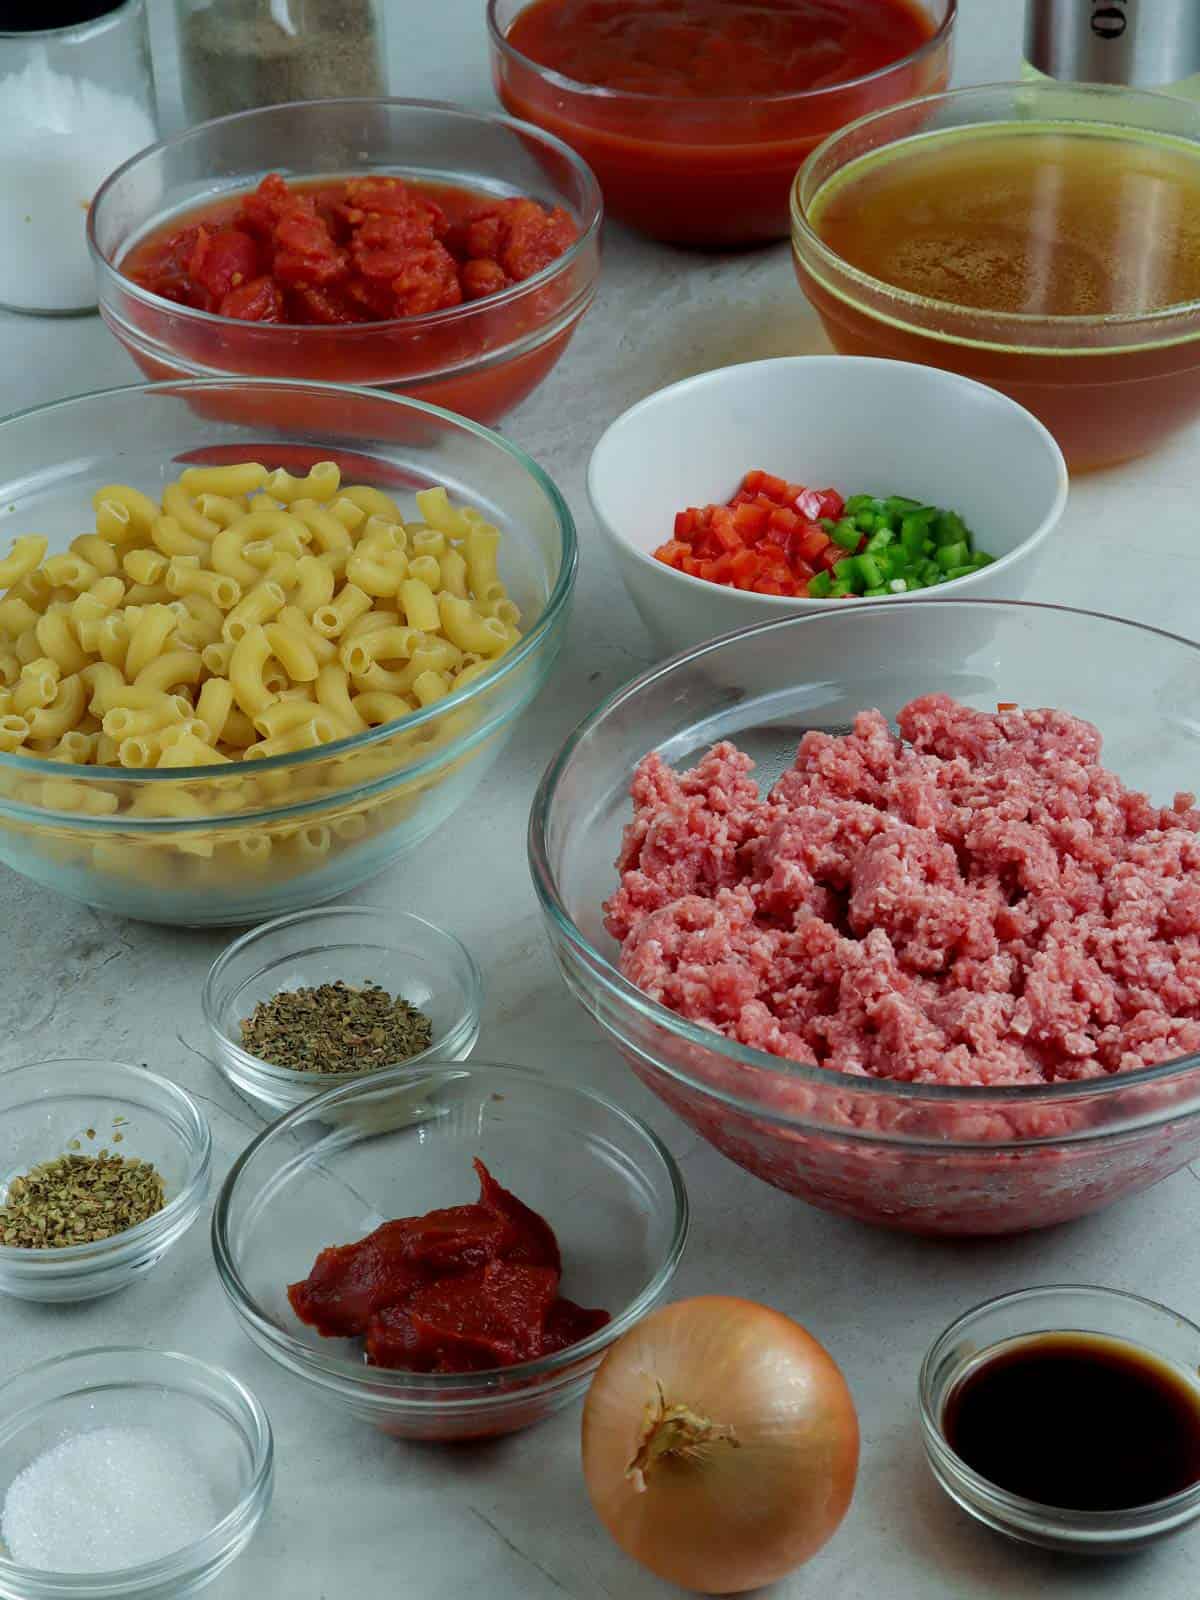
x=1148, y=43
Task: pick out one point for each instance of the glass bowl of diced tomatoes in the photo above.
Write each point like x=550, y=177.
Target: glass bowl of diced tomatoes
x=441, y=253
x=723, y=498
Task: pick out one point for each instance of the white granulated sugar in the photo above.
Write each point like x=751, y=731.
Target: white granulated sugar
x=106, y=1499
x=60, y=137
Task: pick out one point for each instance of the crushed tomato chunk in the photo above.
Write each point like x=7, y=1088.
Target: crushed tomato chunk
x=361, y=250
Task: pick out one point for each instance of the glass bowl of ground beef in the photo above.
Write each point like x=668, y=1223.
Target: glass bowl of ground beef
x=442, y=253
x=906, y=912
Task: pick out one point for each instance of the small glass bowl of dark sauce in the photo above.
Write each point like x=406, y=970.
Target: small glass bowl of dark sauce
x=1068, y=1417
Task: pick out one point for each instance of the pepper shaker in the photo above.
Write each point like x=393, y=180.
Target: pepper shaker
x=76, y=100
x=1148, y=44
x=238, y=54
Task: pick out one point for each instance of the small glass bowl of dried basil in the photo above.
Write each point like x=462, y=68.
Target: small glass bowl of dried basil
x=320, y=998
x=104, y=1167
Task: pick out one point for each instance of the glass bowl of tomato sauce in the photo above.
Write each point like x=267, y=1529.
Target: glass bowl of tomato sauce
x=1038, y=237
x=695, y=114
x=366, y=258
x=400, y=1146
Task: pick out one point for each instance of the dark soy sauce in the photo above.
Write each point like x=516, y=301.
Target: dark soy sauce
x=1078, y=1421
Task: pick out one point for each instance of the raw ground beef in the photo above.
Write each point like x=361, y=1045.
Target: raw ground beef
x=976, y=902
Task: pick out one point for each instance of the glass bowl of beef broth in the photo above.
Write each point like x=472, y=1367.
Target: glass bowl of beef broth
x=1042, y=238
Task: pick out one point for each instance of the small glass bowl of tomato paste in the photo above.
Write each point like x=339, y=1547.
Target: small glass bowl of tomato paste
x=696, y=120
x=401, y=1143
x=478, y=358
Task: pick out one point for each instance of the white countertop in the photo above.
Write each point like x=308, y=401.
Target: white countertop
x=356, y=1513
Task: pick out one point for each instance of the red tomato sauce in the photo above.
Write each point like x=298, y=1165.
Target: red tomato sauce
x=466, y=1289
x=711, y=48
x=360, y=250
x=685, y=144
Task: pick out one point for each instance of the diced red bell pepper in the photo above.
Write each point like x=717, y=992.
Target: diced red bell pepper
x=749, y=520
x=810, y=544
x=767, y=537
x=724, y=531
x=814, y=504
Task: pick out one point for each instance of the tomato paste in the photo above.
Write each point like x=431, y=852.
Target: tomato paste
x=367, y=249
x=695, y=114
x=464, y=1289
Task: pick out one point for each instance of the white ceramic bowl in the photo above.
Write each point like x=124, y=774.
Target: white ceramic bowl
x=855, y=424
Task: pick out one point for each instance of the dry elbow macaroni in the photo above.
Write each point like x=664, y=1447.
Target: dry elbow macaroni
x=249, y=614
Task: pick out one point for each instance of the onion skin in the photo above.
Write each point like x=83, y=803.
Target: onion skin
x=726, y=1516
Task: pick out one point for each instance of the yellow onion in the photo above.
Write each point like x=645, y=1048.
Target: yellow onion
x=720, y=1444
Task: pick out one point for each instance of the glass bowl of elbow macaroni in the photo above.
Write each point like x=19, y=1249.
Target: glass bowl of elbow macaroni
x=245, y=665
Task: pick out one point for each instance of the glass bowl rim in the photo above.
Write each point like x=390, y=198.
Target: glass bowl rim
x=292, y=1076
x=101, y=1254
x=1105, y=94
x=797, y=605
x=719, y=104
x=1067, y=1519
x=414, y=1389
x=627, y=995
x=527, y=646
x=590, y=221
x=256, y=1430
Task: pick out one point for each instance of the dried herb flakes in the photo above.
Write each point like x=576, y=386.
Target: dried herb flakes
x=78, y=1199
x=336, y=1027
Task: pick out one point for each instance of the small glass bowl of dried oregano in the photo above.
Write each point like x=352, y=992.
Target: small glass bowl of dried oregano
x=322, y=997
x=104, y=1167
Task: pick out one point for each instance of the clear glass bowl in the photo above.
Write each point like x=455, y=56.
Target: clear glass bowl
x=401, y=1143
x=1108, y=387
x=1056, y=1308
x=405, y=954
x=924, y=1158
x=708, y=172
x=45, y=1107
x=201, y=1409
x=479, y=359
x=185, y=846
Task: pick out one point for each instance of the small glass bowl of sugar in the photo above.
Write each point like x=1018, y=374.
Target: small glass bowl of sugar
x=128, y=1473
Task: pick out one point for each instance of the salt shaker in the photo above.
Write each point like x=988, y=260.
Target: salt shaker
x=237, y=54
x=1150, y=44
x=76, y=100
